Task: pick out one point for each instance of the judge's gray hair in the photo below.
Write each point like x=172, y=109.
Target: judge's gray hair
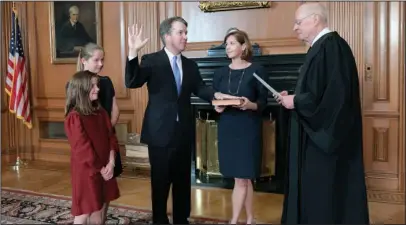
x=317, y=9
x=323, y=13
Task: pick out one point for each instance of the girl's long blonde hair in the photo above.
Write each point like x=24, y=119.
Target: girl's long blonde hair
x=86, y=53
x=78, y=94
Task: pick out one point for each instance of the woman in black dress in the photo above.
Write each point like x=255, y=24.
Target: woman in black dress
x=91, y=57
x=240, y=127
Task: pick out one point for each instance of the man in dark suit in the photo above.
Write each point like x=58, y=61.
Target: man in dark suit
x=167, y=125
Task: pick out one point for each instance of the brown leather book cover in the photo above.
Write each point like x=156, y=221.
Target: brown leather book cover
x=225, y=102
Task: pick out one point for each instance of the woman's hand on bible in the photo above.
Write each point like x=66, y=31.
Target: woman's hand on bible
x=246, y=104
x=221, y=96
x=134, y=38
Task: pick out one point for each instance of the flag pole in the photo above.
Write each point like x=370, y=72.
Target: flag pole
x=19, y=162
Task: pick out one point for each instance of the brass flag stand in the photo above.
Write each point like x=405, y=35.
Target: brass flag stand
x=19, y=162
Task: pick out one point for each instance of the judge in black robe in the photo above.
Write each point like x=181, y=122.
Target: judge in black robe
x=326, y=181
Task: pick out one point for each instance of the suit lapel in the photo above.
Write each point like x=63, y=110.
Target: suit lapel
x=185, y=71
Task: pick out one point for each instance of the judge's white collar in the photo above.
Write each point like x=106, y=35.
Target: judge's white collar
x=323, y=32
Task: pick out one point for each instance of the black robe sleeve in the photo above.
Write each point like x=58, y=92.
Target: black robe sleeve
x=326, y=107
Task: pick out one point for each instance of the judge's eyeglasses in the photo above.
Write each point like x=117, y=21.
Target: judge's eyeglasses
x=298, y=22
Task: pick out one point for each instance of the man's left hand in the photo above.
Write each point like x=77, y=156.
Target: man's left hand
x=287, y=101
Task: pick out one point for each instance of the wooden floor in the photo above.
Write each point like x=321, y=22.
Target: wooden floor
x=53, y=178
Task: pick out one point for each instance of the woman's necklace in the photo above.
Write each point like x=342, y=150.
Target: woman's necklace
x=239, y=83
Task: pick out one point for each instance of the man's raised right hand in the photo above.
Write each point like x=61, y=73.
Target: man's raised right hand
x=135, y=43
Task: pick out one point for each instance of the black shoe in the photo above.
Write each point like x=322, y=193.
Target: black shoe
x=161, y=221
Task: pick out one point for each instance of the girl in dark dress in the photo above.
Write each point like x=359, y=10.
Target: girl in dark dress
x=91, y=58
x=93, y=150
x=240, y=127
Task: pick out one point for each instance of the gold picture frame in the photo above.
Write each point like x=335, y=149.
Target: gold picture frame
x=65, y=48
x=208, y=6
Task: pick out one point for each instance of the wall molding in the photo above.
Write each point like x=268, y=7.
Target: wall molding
x=263, y=43
x=386, y=197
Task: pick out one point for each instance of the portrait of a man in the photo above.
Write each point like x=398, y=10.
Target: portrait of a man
x=75, y=25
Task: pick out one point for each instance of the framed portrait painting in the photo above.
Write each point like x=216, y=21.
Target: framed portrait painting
x=73, y=25
x=215, y=6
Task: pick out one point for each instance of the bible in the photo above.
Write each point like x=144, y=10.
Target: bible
x=226, y=102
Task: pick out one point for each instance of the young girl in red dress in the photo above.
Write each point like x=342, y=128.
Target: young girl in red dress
x=93, y=149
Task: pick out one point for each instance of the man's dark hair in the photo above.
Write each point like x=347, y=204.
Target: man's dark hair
x=166, y=26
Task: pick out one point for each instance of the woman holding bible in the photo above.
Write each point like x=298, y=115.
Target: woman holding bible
x=240, y=126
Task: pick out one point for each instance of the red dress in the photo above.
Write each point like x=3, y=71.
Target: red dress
x=91, y=138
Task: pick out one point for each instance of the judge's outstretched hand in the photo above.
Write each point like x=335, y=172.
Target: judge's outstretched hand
x=278, y=98
x=135, y=43
x=287, y=101
x=284, y=93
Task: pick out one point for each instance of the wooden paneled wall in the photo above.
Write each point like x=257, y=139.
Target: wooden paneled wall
x=375, y=31
x=384, y=98
x=264, y=27
x=16, y=138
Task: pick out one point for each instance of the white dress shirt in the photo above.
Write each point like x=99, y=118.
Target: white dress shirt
x=178, y=61
x=170, y=56
x=323, y=32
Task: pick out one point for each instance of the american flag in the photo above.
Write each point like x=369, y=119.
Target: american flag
x=17, y=76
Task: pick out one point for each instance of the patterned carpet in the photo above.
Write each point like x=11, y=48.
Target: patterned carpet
x=18, y=207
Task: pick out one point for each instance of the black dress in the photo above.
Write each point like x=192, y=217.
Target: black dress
x=240, y=131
